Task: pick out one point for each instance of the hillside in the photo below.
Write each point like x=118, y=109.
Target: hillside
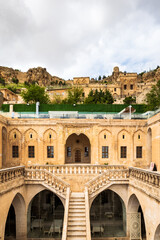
x=39, y=75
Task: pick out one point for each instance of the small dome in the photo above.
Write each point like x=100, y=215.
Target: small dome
x=116, y=69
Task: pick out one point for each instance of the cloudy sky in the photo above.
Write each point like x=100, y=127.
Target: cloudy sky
x=80, y=37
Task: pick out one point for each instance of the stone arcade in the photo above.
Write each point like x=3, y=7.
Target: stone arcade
x=79, y=179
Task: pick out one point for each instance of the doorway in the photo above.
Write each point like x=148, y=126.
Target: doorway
x=77, y=156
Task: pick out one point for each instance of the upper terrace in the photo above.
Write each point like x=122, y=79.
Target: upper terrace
x=76, y=111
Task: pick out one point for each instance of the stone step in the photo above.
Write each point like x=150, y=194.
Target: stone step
x=76, y=214
x=77, y=203
x=77, y=200
x=76, y=228
x=76, y=234
x=76, y=238
x=77, y=194
x=77, y=223
x=76, y=206
x=76, y=219
x=76, y=210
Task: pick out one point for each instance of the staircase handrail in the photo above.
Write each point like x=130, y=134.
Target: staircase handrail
x=65, y=222
x=8, y=174
x=106, y=177
x=48, y=178
x=87, y=208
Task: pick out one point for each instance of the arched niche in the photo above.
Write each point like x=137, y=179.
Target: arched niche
x=157, y=233
x=50, y=146
x=45, y=216
x=15, y=144
x=108, y=215
x=105, y=145
x=10, y=228
x=149, y=146
x=4, y=146
x=124, y=146
x=134, y=207
x=77, y=149
x=31, y=146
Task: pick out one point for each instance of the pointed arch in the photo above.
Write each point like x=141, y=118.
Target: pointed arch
x=77, y=142
x=135, y=206
x=48, y=212
x=105, y=146
x=157, y=233
x=4, y=146
x=107, y=210
x=17, y=206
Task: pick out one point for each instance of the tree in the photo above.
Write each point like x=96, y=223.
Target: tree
x=35, y=93
x=99, y=97
x=2, y=81
x=129, y=100
x=153, y=97
x=15, y=80
x=74, y=96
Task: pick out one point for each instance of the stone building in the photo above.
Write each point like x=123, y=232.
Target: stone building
x=120, y=84
x=80, y=178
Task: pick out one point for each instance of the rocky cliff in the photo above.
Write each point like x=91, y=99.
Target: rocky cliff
x=39, y=75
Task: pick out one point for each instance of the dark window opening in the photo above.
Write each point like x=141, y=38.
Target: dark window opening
x=131, y=86
x=15, y=135
x=31, y=135
x=139, y=136
x=50, y=152
x=31, y=153
x=115, y=89
x=125, y=87
x=123, y=152
x=68, y=151
x=15, y=152
x=104, y=136
x=123, y=136
x=50, y=136
x=105, y=151
x=86, y=152
x=139, y=152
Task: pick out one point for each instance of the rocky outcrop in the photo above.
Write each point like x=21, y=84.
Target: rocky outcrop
x=8, y=74
x=39, y=75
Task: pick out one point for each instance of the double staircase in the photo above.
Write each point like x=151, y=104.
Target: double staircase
x=76, y=217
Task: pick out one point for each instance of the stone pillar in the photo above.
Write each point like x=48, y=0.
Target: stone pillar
x=21, y=226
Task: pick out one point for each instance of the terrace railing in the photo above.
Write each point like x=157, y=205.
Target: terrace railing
x=77, y=168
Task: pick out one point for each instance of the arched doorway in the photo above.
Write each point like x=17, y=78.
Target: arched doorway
x=15, y=226
x=10, y=229
x=157, y=233
x=45, y=216
x=108, y=216
x=135, y=209
x=77, y=149
x=4, y=146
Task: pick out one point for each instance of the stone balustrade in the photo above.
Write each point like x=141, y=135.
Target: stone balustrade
x=9, y=174
x=42, y=175
x=106, y=178
x=146, y=176
x=77, y=168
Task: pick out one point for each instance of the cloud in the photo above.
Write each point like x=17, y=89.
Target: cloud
x=80, y=38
